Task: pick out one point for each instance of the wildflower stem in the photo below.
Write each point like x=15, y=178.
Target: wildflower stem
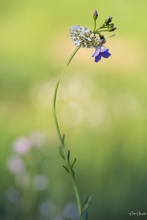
x=55, y=95
x=68, y=167
x=94, y=25
x=77, y=198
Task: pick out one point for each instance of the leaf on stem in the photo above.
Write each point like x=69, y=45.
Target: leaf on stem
x=68, y=156
x=86, y=203
x=61, y=152
x=66, y=168
x=73, y=163
x=63, y=139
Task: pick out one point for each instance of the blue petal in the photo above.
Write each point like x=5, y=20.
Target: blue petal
x=98, y=58
x=106, y=54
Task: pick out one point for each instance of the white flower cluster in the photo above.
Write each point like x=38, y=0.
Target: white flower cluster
x=83, y=37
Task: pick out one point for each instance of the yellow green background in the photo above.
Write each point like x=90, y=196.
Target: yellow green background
x=102, y=107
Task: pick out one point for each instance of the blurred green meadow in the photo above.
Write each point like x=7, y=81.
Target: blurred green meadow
x=102, y=109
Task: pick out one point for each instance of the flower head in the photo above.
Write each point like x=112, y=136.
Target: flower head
x=101, y=52
x=83, y=37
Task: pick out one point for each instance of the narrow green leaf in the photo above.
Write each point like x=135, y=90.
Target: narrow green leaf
x=73, y=163
x=68, y=156
x=86, y=203
x=63, y=139
x=66, y=168
x=61, y=152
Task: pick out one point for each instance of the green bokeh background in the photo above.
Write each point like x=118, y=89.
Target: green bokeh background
x=110, y=141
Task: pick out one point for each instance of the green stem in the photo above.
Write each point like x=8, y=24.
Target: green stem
x=94, y=25
x=77, y=198
x=55, y=94
x=61, y=138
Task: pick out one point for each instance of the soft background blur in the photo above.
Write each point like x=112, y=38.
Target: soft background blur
x=102, y=109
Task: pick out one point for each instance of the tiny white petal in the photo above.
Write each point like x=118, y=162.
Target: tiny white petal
x=83, y=37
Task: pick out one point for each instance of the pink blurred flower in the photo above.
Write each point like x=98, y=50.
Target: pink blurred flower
x=22, y=145
x=15, y=164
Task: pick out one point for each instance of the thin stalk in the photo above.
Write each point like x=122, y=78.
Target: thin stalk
x=94, y=25
x=77, y=198
x=59, y=132
x=55, y=94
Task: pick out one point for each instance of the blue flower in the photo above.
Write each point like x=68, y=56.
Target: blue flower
x=84, y=37
x=101, y=52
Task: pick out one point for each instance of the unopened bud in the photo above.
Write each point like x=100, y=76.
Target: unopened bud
x=111, y=25
x=112, y=29
x=95, y=15
x=108, y=20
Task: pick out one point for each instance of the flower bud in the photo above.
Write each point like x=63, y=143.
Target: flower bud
x=108, y=20
x=111, y=25
x=112, y=29
x=95, y=15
